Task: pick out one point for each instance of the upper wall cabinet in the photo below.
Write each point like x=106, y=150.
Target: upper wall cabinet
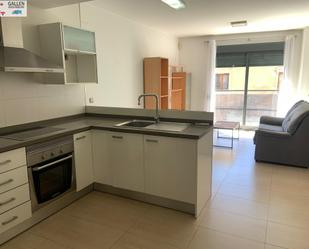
x=78, y=40
x=74, y=49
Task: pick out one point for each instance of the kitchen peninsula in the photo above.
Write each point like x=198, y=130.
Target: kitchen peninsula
x=169, y=165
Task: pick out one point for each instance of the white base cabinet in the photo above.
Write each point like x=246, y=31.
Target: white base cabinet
x=83, y=159
x=12, y=159
x=14, y=197
x=125, y=158
x=102, y=170
x=15, y=216
x=170, y=170
x=15, y=205
x=13, y=178
x=178, y=169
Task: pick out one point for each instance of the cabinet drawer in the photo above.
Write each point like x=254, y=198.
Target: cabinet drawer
x=14, y=197
x=13, y=179
x=12, y=159
x=15, y=216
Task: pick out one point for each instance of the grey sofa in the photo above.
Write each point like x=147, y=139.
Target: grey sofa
x=284, y=140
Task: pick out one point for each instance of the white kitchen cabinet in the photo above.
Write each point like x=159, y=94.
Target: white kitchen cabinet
x=76, y=39
x=125, y=157
x=83, y=159
x=73, y=49
x=13, y=178
x=101, y=168
x=14, y=198
x=177, y=169
x=15, y=216
x=12, y=159
x=170, y=168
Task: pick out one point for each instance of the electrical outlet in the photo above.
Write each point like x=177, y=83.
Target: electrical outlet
x=91, y=100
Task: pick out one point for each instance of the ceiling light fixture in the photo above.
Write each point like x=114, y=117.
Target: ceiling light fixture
x=239, y=23
x=175, y=4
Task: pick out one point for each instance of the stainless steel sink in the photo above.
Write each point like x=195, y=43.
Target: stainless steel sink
x=136, y=123
x=151, y=125
x=168, y=126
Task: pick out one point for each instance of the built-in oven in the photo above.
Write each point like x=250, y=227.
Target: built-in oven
x=51, y=170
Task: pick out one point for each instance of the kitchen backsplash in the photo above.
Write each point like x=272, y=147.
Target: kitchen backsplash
x=23, y=100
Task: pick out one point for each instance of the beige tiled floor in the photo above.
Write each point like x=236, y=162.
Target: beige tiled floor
x=254, y=206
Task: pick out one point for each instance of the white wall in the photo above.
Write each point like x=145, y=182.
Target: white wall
x=121, y=45
x=192, y=55
x=22, y=98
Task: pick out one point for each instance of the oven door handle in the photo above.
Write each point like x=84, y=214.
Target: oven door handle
x=51, y=164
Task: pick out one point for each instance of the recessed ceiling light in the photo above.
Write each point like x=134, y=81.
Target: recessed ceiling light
x=239, y=23
x=175, y=4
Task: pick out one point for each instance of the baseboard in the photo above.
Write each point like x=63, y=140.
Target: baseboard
x=159, y=201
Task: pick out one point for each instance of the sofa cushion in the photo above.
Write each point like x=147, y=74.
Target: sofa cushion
x=295, y=117
x=287, y=118
x=293, y=107
x=271, y=120
x=267, y=127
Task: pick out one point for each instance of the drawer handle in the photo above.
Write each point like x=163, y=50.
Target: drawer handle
x=117, y=137
x=152, y=141
x=7, y=202
x=80, y=138
x=6, y=182
x=9, y=221
x=5, y=162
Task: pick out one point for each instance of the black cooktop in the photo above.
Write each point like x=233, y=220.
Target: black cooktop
x=28, y=134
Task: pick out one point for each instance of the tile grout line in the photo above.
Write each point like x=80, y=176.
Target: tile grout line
x=266, y=221
x=241, y=215
x=268, y=206
x=49, y=239
x=233, y=235
x=225, y=176
x=117, y=240
x=194, y=234
x=245, y=199
x=288, y=225
x=56, y=242
x=127, y=232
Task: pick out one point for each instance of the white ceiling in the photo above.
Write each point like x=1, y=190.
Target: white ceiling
x=207, y=17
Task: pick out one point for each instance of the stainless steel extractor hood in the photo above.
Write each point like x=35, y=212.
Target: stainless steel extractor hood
x=15, y=58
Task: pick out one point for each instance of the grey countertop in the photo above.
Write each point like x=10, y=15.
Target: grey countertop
x=84, y=123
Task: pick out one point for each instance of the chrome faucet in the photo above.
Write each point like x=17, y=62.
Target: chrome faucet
x=157, y=117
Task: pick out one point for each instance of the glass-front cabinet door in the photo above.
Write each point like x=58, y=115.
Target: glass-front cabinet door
x=78, y=40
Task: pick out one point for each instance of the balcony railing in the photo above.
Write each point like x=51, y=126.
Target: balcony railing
x=230, y=105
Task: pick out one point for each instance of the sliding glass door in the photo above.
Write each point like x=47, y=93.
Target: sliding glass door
x=263, y=91
x=230, y=92
x=248, y=79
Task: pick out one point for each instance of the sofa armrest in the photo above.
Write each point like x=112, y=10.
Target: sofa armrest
x=274, y=134
x=271, y=120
